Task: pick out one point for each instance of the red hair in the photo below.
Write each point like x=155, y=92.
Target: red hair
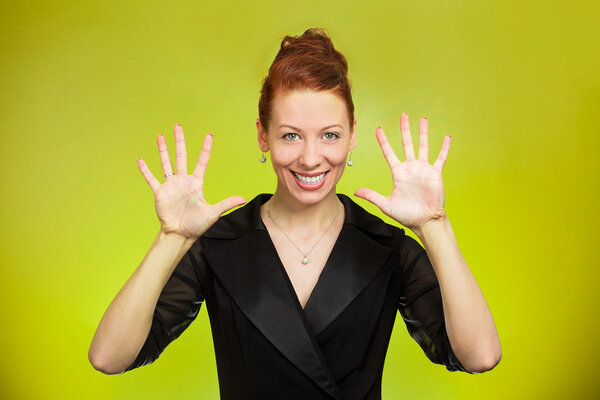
x=309, y=61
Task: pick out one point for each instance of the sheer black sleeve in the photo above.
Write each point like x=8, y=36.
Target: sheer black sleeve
x=177, y=307
x=421, y=305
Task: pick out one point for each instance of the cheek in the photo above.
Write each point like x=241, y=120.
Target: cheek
x=282, y=158
x=336, y=157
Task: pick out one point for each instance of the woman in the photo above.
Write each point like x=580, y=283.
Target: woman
x=303, y=286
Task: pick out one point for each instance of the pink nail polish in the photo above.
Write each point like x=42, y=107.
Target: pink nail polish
x=178, y=124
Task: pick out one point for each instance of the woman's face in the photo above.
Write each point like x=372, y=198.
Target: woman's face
x=309, y=140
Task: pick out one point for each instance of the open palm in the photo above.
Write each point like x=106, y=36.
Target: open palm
x=180, y=203
x=418, y=190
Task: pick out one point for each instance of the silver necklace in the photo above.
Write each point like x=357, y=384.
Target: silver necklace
x=304, y=255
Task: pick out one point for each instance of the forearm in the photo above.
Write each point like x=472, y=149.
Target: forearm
x=126, y=323
x=469, y=322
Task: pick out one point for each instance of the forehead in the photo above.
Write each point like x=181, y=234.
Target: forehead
x=307, y=109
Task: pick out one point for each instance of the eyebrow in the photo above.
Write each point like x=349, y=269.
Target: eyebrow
x=300, y=130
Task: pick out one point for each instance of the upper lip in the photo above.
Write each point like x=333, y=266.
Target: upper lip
x=309, y=174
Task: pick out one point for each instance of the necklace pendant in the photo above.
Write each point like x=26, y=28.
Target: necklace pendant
x=305, y=260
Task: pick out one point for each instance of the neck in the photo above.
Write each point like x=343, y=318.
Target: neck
x=292, y=215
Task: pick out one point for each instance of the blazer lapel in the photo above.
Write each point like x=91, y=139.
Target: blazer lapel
x=249, y=268
x=354, y=261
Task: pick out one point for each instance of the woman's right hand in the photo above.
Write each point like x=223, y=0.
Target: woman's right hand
x=180, y=203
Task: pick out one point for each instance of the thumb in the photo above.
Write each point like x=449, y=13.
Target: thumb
x=229, y=203
x=372, y=196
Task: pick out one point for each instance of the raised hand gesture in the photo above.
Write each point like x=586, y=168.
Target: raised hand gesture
x=179, y=202
x=418, y=193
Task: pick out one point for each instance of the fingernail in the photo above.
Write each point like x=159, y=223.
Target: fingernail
x=178, y=124
x=210, y=134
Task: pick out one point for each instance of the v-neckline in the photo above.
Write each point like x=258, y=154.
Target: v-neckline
x=322, y=274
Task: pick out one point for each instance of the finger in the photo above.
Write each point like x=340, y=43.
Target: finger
x=386, y=148
x=202, y=163
x=164, y=155
x=372, y=196
x=180, y=153
x=443, y=156
x=407, y=144
x=229, y=203
x=423, y=140
x=154, y=184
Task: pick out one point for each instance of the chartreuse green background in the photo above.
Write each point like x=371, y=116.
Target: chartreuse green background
x=86, y=87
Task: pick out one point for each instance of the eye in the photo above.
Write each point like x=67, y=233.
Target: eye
x=331, y=135
x=291, y=136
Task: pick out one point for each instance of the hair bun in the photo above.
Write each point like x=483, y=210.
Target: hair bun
x=314, y=41
x=309, y=61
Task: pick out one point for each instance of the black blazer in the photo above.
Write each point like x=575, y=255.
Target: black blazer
x=266, y=345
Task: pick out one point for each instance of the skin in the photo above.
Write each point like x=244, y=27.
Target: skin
x=308, y=145
x=179, y=201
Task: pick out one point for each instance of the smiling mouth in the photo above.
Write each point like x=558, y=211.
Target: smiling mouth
x=310, y=180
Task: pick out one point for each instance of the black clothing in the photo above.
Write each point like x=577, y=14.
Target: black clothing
x=266, y=345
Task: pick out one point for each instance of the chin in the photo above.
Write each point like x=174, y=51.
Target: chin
x=310, y=199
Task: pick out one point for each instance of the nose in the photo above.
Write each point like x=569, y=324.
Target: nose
x=310, y=155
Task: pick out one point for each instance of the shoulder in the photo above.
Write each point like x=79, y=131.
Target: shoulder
x=406, y=250
x=240, y=221
x=386, y=234
x=398, y=238
x=372, y=225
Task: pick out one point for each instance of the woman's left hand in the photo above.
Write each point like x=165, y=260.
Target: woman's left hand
x=418, y=193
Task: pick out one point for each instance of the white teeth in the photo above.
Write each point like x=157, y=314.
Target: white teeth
x=311, y=180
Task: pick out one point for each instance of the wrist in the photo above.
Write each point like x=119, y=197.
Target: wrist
x=174, y=238
x=432, y=226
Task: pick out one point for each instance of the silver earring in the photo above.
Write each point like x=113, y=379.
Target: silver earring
x=263, y=158
x=350, y=160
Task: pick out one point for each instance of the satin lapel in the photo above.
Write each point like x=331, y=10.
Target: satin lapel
x=249, y=270
x=352, y=264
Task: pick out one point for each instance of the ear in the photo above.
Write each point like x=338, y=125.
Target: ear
x=261, y=137
x=353, y=136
